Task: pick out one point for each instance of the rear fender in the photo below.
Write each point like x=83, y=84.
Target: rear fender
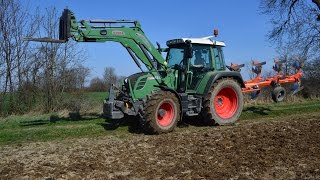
x=219, y=75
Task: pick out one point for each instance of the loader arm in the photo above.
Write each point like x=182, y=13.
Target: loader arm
x=128, y=33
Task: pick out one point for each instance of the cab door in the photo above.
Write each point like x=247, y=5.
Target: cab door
x=200, y=63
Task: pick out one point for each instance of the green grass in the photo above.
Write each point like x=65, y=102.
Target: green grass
x=279, y=109
x=33, y=128
x=30, y=128
x=96, y=97
x=20, y=129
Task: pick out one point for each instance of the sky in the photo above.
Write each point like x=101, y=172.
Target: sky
x=241, y=26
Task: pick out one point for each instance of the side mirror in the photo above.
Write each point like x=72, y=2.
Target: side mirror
x=189, y=52
x=159, y=48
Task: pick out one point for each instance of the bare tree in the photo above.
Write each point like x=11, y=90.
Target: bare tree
x=62, y=69
x=15, y=21
x=295, y=24
x=249, y=66
x=311, y=79
x=81, y=76
x=49, y=52
x=109, y=76
x=73, y=78
x=97, y=85
x=30, y=72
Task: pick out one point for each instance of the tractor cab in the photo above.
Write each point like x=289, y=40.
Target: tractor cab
x=194, y=58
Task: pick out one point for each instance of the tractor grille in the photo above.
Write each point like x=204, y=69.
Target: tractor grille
x=141, y=83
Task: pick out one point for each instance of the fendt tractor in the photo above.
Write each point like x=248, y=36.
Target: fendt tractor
x=191, y=81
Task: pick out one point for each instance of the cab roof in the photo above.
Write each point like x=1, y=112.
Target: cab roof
x=205, y=40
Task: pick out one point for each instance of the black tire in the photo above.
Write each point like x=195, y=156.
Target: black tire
x=278, y=94
x=161, y=113
x=216, y=108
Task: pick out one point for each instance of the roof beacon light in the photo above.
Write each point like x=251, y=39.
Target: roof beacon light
x=215, y=32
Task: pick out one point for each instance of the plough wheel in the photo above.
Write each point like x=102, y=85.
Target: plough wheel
x=278, y=94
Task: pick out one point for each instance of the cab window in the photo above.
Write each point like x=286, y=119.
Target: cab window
x=201, y=56
x=219, y=59
x=175, y=56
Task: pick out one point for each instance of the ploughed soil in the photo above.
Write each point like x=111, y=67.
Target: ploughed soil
x=283, y=148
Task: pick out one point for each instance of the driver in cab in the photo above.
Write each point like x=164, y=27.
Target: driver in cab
x=199, y=61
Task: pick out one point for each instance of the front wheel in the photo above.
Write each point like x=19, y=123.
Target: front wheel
x=223, y=103
x=161, y=113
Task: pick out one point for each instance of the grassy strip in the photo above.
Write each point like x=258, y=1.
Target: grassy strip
x=280, y=109
x=22, y=129
x=31, y=129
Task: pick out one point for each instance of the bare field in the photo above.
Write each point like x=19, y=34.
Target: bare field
x=270, y=148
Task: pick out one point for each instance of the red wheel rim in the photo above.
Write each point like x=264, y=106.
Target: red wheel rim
x=165, y=113
x=226, y=103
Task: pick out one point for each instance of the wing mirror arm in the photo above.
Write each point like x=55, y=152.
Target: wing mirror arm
x=189, y=49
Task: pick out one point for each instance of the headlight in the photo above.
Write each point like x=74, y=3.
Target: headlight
x=125, y=80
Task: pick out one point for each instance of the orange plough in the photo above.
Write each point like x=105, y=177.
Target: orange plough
x=278, y=93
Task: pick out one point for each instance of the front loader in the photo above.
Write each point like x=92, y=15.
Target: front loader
x=191, y=81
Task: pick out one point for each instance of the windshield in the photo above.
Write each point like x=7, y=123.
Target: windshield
x=175, y=56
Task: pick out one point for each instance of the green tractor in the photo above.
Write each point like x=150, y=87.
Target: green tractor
x=191, y=81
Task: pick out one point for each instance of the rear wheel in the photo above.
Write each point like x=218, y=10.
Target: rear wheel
x=223, y=103
x=161, y=113
x=278, y=94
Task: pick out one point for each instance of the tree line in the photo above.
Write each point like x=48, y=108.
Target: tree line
x=296, y=33
x=36, y=75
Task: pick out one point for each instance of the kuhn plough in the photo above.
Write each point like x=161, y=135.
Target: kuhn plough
x=254, y=86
